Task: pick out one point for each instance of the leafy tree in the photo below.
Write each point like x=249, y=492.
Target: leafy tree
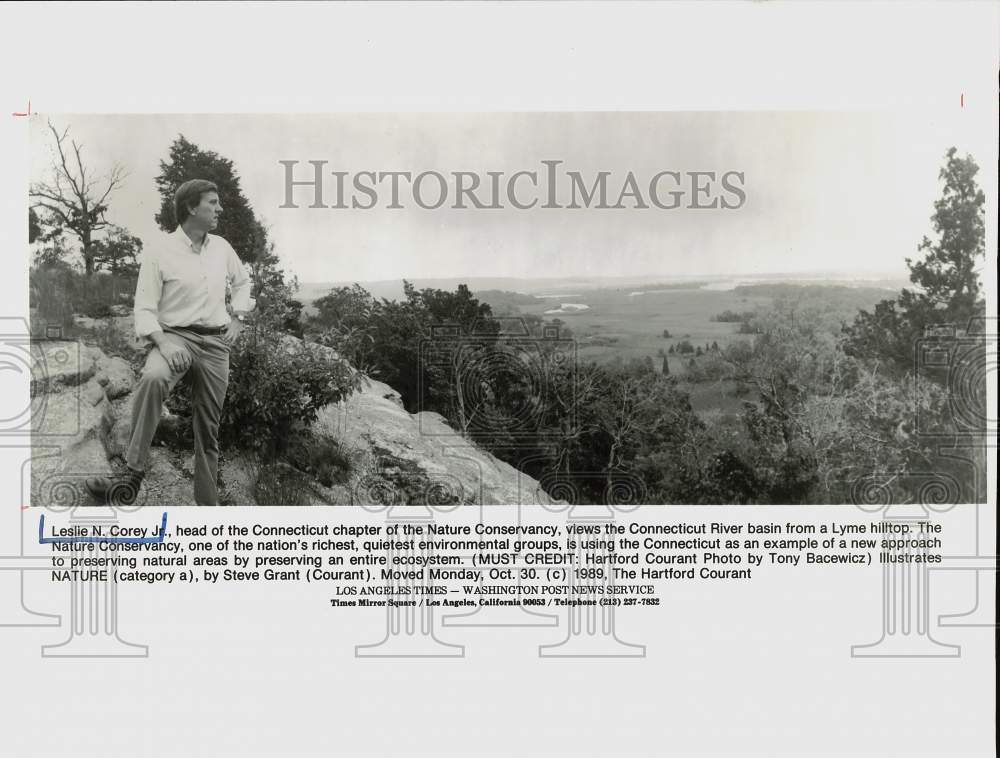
x=274, y=292
x=947, y=282
x=117, y=252
x=734, y=317
x=344, y=322
x=52, y=250
x=279, y=308
x=435, y=341
x=76, y=199
x=727, y=479
x=640, y=415
x=343, y=307
x=800, y=374
x=34, y=226
x=422, y=346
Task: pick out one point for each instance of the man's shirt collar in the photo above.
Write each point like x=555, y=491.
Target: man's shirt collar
x=186, y=241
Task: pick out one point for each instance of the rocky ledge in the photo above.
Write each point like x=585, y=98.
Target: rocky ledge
x=81, y=401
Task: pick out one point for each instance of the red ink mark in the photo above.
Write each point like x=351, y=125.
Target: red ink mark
x=23, y=114
x=25, y=507
x=961, y=101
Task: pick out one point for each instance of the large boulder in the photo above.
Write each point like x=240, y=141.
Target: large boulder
x=57, y=476
x=116, y=376
x=64, y=419
x=66, y=448
x=61, y=363
x=82, y=423
x=417, y=458
x=70, y=409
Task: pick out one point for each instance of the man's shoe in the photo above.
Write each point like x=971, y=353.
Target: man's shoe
x=117, y=489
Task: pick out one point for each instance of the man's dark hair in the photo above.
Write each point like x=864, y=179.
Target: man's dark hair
x=188, y=196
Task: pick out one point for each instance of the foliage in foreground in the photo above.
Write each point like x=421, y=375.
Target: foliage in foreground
x=834, y=413
x=277, y=386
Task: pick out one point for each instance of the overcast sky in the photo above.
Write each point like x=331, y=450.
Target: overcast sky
x=825, y=192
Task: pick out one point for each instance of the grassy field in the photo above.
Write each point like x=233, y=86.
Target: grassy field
x=621, y=322
x=618, y=323
x=629, y=321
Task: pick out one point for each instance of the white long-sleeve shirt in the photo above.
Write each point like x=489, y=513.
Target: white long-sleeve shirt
x=179, y=287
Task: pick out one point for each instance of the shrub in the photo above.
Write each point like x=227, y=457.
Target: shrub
x=96, y=308
x=277, y=483
x=710, y=367
x=279, y=309
x=51, y=294
x=57, y=292
x=733, y=317
x=325, y=459
x=277, y=385
x=727, y=478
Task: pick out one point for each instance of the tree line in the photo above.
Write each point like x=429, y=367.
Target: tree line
x=838, y=406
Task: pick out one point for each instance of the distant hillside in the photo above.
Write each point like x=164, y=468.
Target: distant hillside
x=503, y=301
x=515, y=291
x=392, y=289
x=846, y=297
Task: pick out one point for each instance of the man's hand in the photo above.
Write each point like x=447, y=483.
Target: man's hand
x=233, y=331
x=176, y=356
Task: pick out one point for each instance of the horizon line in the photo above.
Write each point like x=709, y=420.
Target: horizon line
x=831, y=275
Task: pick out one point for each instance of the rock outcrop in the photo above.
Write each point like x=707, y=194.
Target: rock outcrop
x=82, y=401
x=418, y=458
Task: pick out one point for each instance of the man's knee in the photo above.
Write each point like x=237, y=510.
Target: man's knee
x=155, y=376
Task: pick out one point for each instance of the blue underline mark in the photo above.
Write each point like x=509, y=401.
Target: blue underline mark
x=43, y=540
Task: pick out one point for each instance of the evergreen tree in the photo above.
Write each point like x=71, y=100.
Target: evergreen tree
x=948, y=289
x=947, y=277
x=237, y=224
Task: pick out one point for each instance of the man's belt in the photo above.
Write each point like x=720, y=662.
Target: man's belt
x=200, y=329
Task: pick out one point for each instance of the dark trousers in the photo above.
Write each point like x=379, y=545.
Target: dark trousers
x=209, y=372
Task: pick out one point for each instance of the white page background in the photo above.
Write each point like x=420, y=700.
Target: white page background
x=745, y=669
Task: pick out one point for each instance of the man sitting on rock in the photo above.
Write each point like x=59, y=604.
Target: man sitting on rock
x=180, y=311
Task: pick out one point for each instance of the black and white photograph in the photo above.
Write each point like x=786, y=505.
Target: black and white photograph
x=499, y=379
x=589, y=308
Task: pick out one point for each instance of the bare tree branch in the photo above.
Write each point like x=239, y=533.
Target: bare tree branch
x=71, y=193
x=62, y=166
x=55, y=210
